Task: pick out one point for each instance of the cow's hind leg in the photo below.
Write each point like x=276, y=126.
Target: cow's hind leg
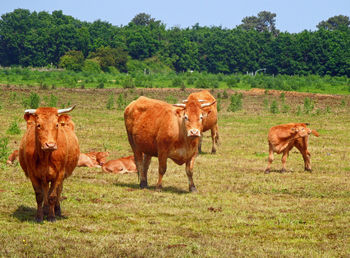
x=200, y=143
x=162, y=159
x=58, y=205
x=270, y=160
x=189, y=173
x=139, y=165
x=145, y=164
x=284, y=158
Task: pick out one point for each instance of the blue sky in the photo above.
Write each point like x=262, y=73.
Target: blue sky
x=292, y=16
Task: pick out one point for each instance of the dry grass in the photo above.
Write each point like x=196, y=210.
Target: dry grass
x=238, y=210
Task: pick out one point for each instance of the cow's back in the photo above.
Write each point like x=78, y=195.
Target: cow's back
x=149, y=122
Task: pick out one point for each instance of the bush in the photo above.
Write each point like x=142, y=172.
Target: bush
x=121, y=102
x=4, y=150
x=308, y=105
x=232, y=81
x=177, y=82
x=235, y=102
x=13, y=129
x=128, y=83
x=72, y=60
x=101, y=85
x=110, y=102
x=53, y=101
x=274, y=107
x=32, y=102
x=91, y=66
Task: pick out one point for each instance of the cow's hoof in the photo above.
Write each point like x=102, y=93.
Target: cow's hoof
x=51, y=219
x=283, y=170
x=159, y=188
x=308, y=169
x=58, y=211
x=213, y=151
x=143, y=184
x=39, y=219
x=193, y=189
x=267, y=171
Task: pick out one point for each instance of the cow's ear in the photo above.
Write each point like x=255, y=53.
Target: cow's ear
x=206, y=113
x=179, y=112
x=63, y=119
x=30, y=118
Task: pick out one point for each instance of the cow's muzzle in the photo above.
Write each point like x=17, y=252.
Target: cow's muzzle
x=49, y=146
x=194, y=133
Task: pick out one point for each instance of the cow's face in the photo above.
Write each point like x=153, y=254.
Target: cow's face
x=301, y=131
x=192, y=115
x=101, y=157
x=46, y=125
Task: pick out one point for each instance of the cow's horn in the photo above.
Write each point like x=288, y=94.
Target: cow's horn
x=66, y=110
x=201, y=100
x=207, y=104
x=29, y=111
x=179, y=105
x=184, y=101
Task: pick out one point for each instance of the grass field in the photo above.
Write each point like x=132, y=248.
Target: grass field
x=237, y=211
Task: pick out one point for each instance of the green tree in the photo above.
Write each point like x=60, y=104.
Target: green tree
x=335, y=23
x=72, y=60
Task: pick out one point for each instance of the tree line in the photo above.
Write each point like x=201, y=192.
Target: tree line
x=40, y=39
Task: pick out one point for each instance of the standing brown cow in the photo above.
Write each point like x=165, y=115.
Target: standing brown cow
x=210, y=122
x=158, y=129
x=48, y=153
x=282, y=138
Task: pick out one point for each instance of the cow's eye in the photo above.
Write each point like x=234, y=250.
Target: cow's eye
x=186, y=117
x=38, y=126
x=56, y=125
x=200, y=117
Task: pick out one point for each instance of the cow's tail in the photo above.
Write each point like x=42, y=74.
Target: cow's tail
x=314, y=132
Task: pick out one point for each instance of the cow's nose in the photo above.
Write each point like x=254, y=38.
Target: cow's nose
x=50, y=146
x=194, y=132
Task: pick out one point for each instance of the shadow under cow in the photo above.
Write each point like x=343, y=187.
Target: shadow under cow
x=25, y=213
x=132, y=187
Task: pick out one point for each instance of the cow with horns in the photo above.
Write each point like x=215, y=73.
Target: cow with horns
x=210, y=122
x=158, y=129
x=48, y=153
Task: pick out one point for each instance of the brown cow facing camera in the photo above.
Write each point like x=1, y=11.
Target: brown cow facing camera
x=210, y=121
x=158, y=129
x=48, y=153
x=282, y=138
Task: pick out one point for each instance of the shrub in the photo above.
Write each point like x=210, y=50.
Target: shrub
x=121, y=102
x=308, y=105
x=285, y=108
x=110, y=102
x=91, y=66
x=32, y=102
x=232, y=81
x=177, y=82
x=218, y=102
x=266, y=104
x=283, y=97
x=171, y=99
x=235, y=102
x=299, y=111
x=4, y=150
x=274, y=107
x=72, y=60
x=101, y=85
x=225, y=95
x=13, y=129
x=128, y=83
x=53, y=101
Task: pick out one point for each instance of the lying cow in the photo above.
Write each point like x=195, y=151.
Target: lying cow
x=210, y=121
x=92, y=159
x=282, y=138
x=48, y=153
x=13, y=156
x=120, y=166
x=158, y=129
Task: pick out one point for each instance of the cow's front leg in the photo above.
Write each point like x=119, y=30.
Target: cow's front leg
x=162, y=159
x=53, y=195
x=58, y=205
x=200, y=144
x=189, y=169
x=39, y=196
x=214, y=138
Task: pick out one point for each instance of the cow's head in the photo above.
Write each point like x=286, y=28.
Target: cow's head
x=300, y=131
x=192, y=113
x=47, y=121
x=101, y=157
